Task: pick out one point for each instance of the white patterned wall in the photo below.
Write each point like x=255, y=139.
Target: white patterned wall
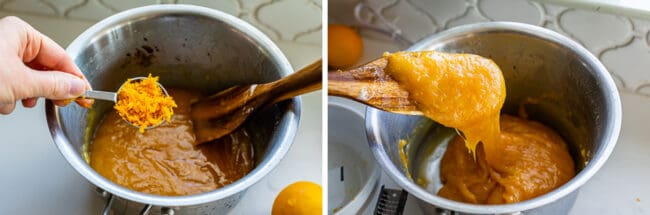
x=621, y=43
x=295, y=25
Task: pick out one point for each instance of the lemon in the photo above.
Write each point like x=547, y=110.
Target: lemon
x=344, y=46
x=299, y=198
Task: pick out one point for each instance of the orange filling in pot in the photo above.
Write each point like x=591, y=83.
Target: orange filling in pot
x=533, y=160
x=164, y=160
x=143, y=103
x=516, y=160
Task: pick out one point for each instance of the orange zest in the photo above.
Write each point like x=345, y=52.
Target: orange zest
x=143, y=103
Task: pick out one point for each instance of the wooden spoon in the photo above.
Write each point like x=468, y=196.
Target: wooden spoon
x=220, y=114
x=370, y=85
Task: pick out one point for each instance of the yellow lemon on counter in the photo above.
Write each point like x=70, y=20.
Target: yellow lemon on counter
x=344, y=46
x=300, y=198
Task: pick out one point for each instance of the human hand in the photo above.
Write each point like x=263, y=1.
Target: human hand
x=32, y=65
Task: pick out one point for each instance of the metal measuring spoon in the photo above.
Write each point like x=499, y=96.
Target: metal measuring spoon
x=112, y=96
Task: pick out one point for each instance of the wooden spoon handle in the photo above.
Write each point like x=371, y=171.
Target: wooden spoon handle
x=356, y=83
x=303, y=81
x=222, y=113
x=370, y=85
x=252, y=96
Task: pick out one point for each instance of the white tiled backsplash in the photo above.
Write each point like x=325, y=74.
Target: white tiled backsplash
x=295, y=25
x=621, y=43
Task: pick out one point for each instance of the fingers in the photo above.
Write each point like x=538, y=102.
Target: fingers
x=87, y=103
x=62, y=103
x=52, y=57
x=37, y=67
x=41, y=51
x=51, y=84
x=7, y=108
x=30, y=102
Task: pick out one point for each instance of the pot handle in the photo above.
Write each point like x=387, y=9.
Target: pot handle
x=166, y=211
x=450, y=212
x=145, y=210
x=107, y=206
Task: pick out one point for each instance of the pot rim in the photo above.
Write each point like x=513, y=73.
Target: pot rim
x=610, y=137
x=273, y=157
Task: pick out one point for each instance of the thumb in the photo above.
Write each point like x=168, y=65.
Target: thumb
x=53, y=85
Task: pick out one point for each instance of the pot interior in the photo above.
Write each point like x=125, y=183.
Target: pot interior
x=189, y=51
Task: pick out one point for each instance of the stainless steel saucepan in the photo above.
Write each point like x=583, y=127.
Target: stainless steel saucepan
x=573, y=93
x=188, y=47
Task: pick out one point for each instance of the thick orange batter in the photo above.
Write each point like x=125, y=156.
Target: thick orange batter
x=516, y=160
x=163, y=160
x=534, y=161
x=462, y=91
